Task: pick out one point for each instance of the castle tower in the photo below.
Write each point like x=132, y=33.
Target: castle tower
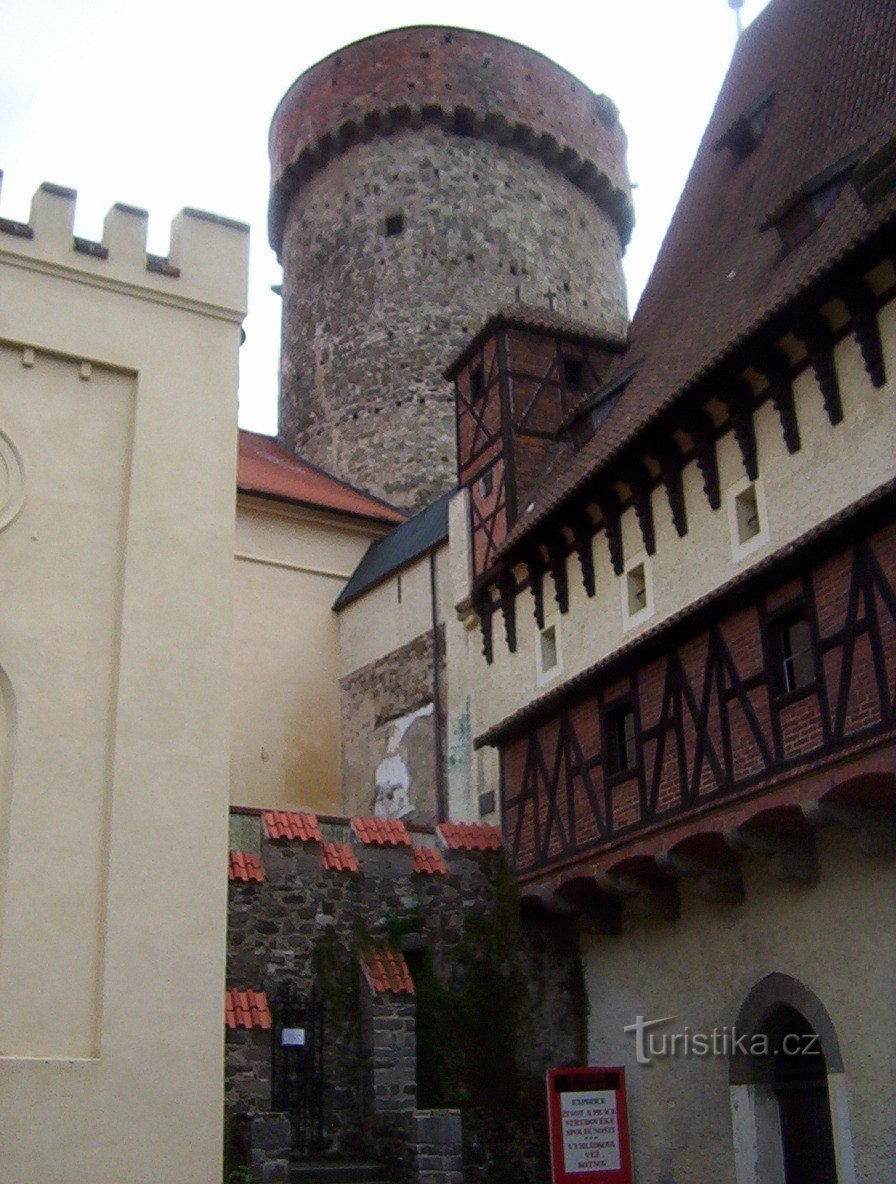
x=422, y=179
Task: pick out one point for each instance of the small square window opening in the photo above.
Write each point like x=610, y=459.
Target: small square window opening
x=394, y=225
x=486, y=483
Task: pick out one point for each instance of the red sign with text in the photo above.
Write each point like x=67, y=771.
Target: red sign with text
x=588, y=1119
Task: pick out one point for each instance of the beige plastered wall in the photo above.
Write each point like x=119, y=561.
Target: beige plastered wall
x=291, y=564
x=838, y=938
x=386, y=617
x=117, y=450
x=834, y=467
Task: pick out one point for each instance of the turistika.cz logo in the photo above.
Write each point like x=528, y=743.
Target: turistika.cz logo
x=722, y=1041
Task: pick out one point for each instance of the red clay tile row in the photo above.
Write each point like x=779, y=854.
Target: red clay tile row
x=243, y=865
x=469, y=836
x=246, y=1009
x=387, y=972
x=338, y=857
x=428, y=861
x=381, y=832
x=284, y=824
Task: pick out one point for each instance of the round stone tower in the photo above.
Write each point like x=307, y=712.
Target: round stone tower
x=421, y=180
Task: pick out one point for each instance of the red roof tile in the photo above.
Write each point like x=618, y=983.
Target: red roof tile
x=246, y=1009
x=428, y=861
x=469, y=836
x=387, y=972
x=338, y=857
x=381, y=832
x=722, y=275
x=243, y=865
x=263, y=467
x=284, y=824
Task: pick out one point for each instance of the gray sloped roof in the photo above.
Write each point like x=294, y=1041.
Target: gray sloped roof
x=422, y=533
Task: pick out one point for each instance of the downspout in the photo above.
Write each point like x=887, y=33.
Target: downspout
x=441, y=795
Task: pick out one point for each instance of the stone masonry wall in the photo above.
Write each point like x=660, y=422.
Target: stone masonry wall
x=371, y=319
x=375, y=698
x=304, y=922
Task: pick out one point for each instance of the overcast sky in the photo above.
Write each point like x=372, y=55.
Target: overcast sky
x=168, y=104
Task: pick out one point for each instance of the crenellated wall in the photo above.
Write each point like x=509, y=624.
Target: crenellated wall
x=118, y=371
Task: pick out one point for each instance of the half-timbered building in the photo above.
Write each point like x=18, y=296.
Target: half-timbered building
x=679, y=555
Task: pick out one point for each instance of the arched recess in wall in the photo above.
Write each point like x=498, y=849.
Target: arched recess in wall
x=788, y=1089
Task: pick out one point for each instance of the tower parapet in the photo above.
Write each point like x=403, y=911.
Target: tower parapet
x=421, y=179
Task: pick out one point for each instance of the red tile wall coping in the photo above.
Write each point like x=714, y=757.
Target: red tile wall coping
x=382, y=832
x=338, y=857
x=283, y=824
x=243, y=865
x=469, y=836
x=428, y=861
x=387, y=972
x=246, y=1009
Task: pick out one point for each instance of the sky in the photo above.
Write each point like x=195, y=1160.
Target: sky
x=168, y=104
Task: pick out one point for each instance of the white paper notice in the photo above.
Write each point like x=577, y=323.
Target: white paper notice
x=590, y=1131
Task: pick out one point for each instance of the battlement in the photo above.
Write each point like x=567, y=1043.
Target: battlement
x=466, y=83
x=207, y=260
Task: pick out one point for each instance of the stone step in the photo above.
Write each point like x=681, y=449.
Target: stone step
x=333, y=1172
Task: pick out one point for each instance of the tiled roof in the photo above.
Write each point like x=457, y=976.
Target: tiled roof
x=387, y=972
x=266, y=469
x=243, y=865
x=283, y=824
x=418, y=536
x=381, y=832
x=338, y=857
x=428, y=861
x=722, y=274
x=469, y=836
x=246, y=1009
x=527, y=316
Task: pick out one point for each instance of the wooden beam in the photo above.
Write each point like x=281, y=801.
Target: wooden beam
x=508, y=589
x=557, y=567
x=612, y=516
x=642, y=488
x=582, y=534
x=775, y=365
x=671, y=462
x=816, y=334
x=537, y=567
x=738, y=400
x=863, y=313
x=701, y=429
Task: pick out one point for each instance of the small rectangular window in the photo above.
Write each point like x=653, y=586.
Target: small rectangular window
x=746, y=510
x=394, y=225
x=487, y=483
x=794, y=662
x=636, y=580
x=573, y=374
x=548, y=643
x=619, y=729
x=477, y=382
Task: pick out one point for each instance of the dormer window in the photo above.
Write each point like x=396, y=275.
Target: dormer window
x=806, y=208
x=747, y=130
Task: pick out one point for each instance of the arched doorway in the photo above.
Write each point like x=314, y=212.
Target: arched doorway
x=788, y=1090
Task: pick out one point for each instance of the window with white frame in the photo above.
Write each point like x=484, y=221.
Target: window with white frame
x=637, y=591
x=548, y=658
x=747, y=519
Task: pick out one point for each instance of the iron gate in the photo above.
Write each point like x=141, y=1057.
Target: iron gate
x=297, y=1065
